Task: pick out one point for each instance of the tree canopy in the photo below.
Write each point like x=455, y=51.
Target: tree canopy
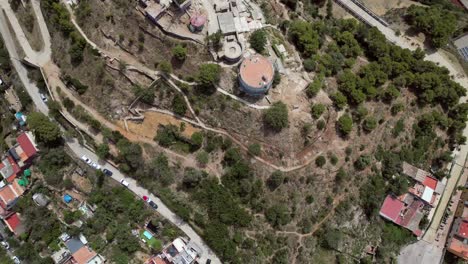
x=45, y=130
x=276, y=116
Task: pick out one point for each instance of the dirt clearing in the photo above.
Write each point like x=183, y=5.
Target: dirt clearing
x=150, y=125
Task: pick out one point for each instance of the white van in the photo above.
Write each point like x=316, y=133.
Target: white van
x=124, y=183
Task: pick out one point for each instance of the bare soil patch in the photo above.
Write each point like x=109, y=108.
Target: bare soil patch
x=152, y=121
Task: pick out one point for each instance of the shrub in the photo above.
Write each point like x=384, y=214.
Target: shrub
x=369, y=124
x=339, y=100
x=276, y=116
x=165, y=67
x=320, y=161
x=255, y=149
x=275, y=180
x=321, y=124
x=203, y=157
x=345, y=124
x=317, y=110
x=180, y=52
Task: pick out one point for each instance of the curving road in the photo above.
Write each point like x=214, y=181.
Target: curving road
x=42, y=58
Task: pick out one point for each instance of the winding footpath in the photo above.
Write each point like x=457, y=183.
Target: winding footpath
x=42, y=58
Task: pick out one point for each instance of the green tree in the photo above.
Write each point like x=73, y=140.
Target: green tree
x=255, y=149
x=258, y=40
x=209, y=75
x=433, y=21
x=276, y=117
x=146, y=95
x=345, y=124
x=165, y=67
x=369, y=124
x=278, y=215
x=276, y=179
x=45, y=130
x=320, y=161
x=339, y=100
x=54, y=108
x=180, y=52
x=178, y=105
x=317, y=110
x=305, y=37
x=103, y=151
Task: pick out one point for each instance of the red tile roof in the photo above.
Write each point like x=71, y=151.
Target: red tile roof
x=13, y=222
x=83, y=255
x=27, y=145
x=391, y=208
x=430, y=182
x=463, y=229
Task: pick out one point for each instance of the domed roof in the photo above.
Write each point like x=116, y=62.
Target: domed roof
x=198, y=20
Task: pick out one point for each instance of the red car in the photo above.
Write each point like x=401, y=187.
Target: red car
x=145, y=198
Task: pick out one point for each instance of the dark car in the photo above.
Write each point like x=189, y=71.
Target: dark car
x=107, y=172
x=153, y=204
x=208, y=261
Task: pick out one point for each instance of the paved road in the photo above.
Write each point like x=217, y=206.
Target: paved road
x=30, y=87
x=39, y=57
x=73, y=144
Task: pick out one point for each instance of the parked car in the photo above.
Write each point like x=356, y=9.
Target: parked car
x=1, y=237
x=5, y=244
x=107, y=172
x=145, y=198
x=124, y=183
x=84, y=158
x=152, y=204
x=43, y=97
x=96, y=166
x=208, y=261
x=16, y=260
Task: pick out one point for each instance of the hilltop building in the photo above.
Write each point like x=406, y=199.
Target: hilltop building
x=256, y=75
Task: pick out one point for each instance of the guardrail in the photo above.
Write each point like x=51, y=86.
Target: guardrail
x=365, y=9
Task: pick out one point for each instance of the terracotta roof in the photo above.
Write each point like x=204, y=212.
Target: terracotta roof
x=430, y=182
x=83, y=255
x=458, y=248
x=256, y=71
x=391, y=208
x=8, y=194
x=13, y=222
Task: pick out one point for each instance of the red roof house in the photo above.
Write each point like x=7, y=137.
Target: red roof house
x=391, y=208
x=13, y=222
x=406, y=213
x=430, y=182
x=25, y=149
